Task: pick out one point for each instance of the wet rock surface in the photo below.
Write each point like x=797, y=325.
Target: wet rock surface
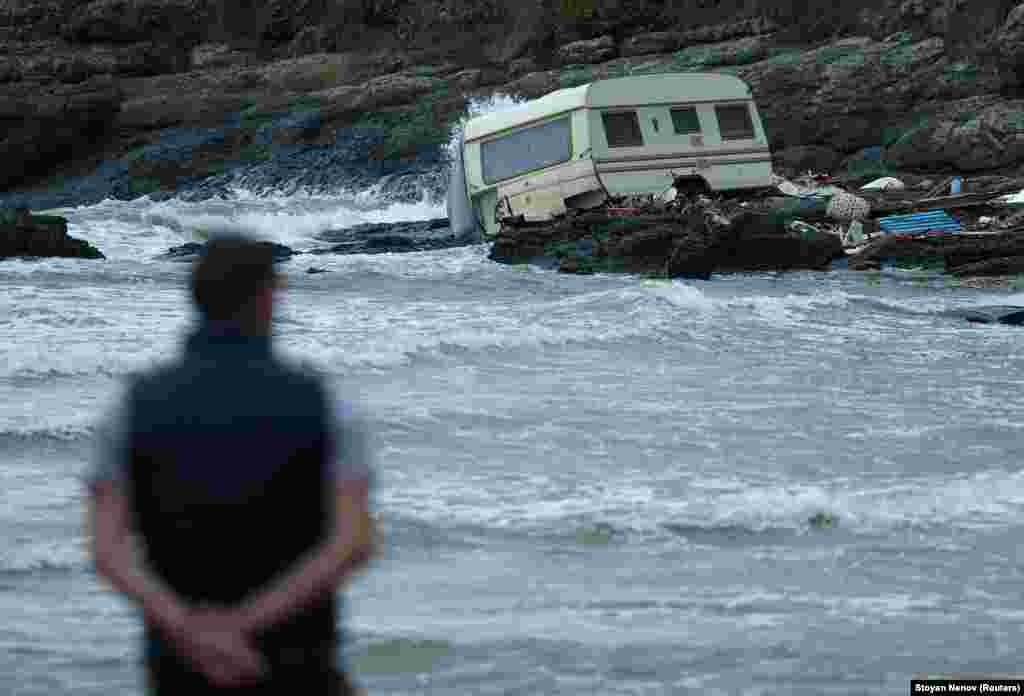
x=376, y=238
x=84, y=87
x=962, y=255
x=190, y=251
x=26, y=235
x=694, y=243
x=367, y=238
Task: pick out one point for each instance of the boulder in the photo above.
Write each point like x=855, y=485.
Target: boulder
x=1008, y=46
x=397, y=88
x=1011, y=265
x=960, y=254
x=756, y=242
x=128, y=21
x=53, y=61
x=797, y=160
x=692, y=246
x=988, y=138
x=377, y=238
x=522, y=66
x=24, y=234
x=217, y=55
x=694, y=255
x=589, y=51
x=856, y=92
x=716, y=33
x=190, y=251
x=895, y=249
x=655, y=42
x=979, y=249
x=42, y=126
x=1012, y=315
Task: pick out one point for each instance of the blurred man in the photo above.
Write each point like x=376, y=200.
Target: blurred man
x=246, y=486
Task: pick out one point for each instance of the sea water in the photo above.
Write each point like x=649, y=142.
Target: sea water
x=800, y=483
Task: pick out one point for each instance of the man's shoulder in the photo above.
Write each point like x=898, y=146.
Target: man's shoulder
x=146, y=378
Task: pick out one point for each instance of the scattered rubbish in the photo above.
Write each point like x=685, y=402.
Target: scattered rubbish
x=854, y=235
x=807, y=187
x=1014, y=198
x=803, y=227
x=846, y=207
x=985, y=220
x=668, y=195
x=939, y=188
x=886, y=183
x=930, y=221
x=823, y=520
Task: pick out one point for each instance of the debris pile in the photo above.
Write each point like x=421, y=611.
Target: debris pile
x=804, y=223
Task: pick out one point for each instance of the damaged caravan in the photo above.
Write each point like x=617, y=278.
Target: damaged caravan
x=630, y=135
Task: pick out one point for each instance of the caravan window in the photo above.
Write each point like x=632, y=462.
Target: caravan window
x=734, y=122
x=622, y=129
x=526, y=150
x=685, y=120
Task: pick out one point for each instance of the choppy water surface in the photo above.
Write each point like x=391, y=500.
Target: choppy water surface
x=586, y=484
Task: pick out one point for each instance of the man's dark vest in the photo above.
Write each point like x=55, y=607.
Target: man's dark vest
x=228, y=471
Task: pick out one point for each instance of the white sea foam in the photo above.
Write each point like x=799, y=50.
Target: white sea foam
x=42, y=556
x=141, y=229
x=981, y=501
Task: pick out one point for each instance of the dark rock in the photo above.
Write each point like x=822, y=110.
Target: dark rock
x=190, y=251
x=715, y=33
x=695, y=254
x=24, y=234
x=846, y=94
x=764, y=243
x=997, y=314
x=797, y=160
x=1008, y=45
x=312, y=270
x=655, y=42
x=960, y=254
x=983, y=248
x=40, y=127
x=987, y=137
x=1002, y=266
x=590, y=51
x=135, y=20
x=895, y=249
x=397, y=237
x=689, y=247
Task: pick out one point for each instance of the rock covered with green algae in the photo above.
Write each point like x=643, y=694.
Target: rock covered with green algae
x=24, y=234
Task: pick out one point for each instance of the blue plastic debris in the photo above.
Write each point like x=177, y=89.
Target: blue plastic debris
x=930, y=221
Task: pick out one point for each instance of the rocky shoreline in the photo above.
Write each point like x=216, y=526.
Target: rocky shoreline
x=119, y=98
x=124, y=98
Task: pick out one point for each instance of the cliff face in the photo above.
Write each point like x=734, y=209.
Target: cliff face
x=98, y=80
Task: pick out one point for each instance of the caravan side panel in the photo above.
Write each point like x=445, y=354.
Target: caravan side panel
x=643, y=147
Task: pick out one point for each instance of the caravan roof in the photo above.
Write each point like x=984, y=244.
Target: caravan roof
x=620, y=91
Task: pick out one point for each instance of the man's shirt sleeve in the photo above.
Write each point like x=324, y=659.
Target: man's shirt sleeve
x=350, y=437
x=109, y=456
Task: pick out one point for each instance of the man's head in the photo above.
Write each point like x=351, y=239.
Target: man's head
x=234, y=280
